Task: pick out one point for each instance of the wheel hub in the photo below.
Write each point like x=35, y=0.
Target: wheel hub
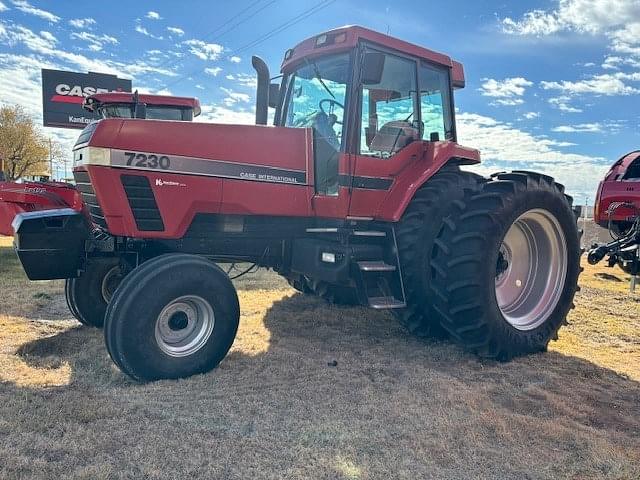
x=110, y=283
x=184, y=326
x=531, y=269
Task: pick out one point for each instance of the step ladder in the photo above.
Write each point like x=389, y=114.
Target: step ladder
x=379, y=280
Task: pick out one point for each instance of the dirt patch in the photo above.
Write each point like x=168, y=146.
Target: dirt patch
x=316, y=391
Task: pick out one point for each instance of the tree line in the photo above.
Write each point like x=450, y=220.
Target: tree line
x=24, y=148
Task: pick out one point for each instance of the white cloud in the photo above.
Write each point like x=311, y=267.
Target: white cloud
x=145, y=32
x=605, y=84
x=213, y=71
x=12, y=35
x=3, y=7
x=531, y=115
x=203, y=50
x=26, y=7
x=153, y=15
x=504, y=147
x=608, y=126
x=49, y=36
x=220, y=114
x=580, y=128
x=244, y=79
x=507, y=91
x=587, y=16
x=562, y=104
x=617, y=20
x=235, y=59
x=536, y=22
x=20, y=84
x=234, y=97
x=96, y=42
x=176, y=31
x=82, y=23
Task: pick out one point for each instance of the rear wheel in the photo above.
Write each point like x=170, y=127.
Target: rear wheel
x=415, y=235
x=506, y=265
x=88, y=295
x=174, y=316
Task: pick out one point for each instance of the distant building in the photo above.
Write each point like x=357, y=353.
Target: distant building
x=589, y=211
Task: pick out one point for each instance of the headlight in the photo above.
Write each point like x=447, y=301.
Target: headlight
x=92, y=156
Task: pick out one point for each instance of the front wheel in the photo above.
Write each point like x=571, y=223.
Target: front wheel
x=88, y=295
x=174, y=316
x=506, y=266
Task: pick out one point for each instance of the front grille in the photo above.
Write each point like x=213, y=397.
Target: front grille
x=143, y=203
x=83, y=184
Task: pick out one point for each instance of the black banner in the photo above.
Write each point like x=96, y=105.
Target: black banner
x=63, y=94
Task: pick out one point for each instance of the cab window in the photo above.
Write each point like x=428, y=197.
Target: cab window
x=435, y=103
x=317, y=93
x=388, y=109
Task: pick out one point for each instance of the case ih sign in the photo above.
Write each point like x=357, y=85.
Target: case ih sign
x=63, y=94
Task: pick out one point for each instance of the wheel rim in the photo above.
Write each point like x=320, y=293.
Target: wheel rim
x=110, y=283
x=184, y=326
x=531, y=269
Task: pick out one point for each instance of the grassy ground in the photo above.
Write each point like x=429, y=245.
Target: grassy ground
x=277, y=407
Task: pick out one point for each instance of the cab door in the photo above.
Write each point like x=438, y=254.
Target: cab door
x=318, y=97
x=389, y=129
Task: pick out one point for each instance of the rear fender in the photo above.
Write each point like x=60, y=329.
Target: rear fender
x=436, y=155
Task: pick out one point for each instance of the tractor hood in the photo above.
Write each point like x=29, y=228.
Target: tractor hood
x=246, y=152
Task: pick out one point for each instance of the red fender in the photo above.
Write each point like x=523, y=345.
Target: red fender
x=409, y=180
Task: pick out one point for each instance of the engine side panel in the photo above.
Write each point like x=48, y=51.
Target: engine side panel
x=205, y=168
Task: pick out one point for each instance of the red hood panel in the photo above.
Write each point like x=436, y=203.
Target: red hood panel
x=248, y=144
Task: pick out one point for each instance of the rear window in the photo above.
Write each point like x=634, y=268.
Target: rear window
x=169, y=113
x=633, y=171
x=117, y=111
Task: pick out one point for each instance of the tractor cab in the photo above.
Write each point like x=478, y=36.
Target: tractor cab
x=373, y=102
x=134, y=105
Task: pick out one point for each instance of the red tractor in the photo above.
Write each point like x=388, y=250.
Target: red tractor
x=32, y=196
x=617, y=208
x=355, y=193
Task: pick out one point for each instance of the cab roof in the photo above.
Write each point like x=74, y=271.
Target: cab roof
x=159, y=100
x=348, y=37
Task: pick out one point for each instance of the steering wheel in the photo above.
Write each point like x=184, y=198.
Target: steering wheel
x=332, y=102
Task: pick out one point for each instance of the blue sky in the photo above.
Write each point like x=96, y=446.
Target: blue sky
x=552, y=85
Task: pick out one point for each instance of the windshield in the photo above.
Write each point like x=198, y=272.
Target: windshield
x=316, y=99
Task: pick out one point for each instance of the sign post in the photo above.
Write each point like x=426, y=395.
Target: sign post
x=63, y=94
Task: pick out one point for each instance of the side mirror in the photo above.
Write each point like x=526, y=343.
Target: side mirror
x=274, y=95
x=140, y=110
x=372, y=68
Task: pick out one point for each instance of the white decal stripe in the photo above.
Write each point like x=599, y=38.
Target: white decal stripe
x=200, y=166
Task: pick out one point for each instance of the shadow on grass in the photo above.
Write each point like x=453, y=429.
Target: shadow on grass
x=608, y=276
x=313, y=390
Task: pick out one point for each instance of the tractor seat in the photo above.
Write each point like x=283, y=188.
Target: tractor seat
x=393, y=137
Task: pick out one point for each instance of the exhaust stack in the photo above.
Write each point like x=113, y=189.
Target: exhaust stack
x=262, y=92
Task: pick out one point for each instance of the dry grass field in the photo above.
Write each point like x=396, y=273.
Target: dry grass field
x=279, y=406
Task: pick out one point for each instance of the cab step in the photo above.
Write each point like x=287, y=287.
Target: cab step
x=369, y=233
x=383, y=303
x=376, y=266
